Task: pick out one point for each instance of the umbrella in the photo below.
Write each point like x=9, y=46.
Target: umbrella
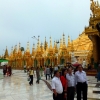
x=76, y=64
x=3, y=60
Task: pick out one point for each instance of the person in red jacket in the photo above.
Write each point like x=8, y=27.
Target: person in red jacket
x=64, y=83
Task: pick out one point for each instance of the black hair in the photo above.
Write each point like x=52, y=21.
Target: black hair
x=55, y=72
x=63, y=70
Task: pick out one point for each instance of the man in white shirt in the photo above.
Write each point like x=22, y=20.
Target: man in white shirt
x=71, y=85
x=81, y=81
x=57, y=86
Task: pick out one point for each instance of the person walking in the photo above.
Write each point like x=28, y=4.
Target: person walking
x=71, y=85
x=31, y=72
x=4, y=70
x=51, y=71
x=47, y=72
x=37, y=75
x=57, y=87
x=64, y=84
x=81, y=81
x=41, y=71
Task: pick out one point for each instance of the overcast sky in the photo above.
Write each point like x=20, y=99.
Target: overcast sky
x=22, y=19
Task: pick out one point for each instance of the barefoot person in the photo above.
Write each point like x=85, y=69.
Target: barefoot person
x=81, y=81
x=71, y=85
x=57, y=86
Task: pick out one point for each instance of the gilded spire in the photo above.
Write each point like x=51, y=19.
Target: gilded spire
x=54, y=44
x=68, y=39
x=38, y=43
x=72, y=46
x=98, y=3
x=42, y=48
x=6, y=53
x=60, y=43
x=28, y=47
x=45, y=44
x=19, y=48
x=50, y=42
x=33, y=46
x=63, y=39
x=33, y=50
x=19, y=45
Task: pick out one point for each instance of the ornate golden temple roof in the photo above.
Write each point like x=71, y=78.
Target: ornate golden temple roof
x=94, y=18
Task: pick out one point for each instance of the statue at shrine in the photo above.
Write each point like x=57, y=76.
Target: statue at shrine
x=84, y=64
x=73, y=58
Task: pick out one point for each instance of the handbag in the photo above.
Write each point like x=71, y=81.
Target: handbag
x=28, y=79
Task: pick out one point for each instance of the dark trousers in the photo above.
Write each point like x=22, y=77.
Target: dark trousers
x=25, y=70
x=47, y=75
x=31, y=79
x=58, y=97
x=51, y=75
x=70, y=93
x=82, y=87
x=4, y=72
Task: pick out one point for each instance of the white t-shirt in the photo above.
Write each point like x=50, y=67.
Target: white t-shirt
x=57, y=85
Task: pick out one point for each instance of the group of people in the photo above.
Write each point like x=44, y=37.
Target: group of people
x=7, y=70
x=66, y=83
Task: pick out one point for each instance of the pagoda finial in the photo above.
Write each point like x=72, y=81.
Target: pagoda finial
x=60, y=43
x=68, y=39
x=54, y=44
x=45, y=38
x=50, y=42
x=6, y=53
x=72, y=46
x=19, y=47
x=28, y=47
x=45, y=45
x=33, y=50
x=63, y=39
x=98, y=3
x=38, y=43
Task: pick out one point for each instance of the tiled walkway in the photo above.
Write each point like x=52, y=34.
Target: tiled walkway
x=16, y=87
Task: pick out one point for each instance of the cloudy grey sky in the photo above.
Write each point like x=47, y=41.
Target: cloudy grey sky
x=22, y=19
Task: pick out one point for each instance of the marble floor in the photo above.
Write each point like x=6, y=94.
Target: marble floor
x=16, y=87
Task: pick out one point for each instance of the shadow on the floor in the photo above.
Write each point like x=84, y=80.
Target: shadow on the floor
x=47, y=83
